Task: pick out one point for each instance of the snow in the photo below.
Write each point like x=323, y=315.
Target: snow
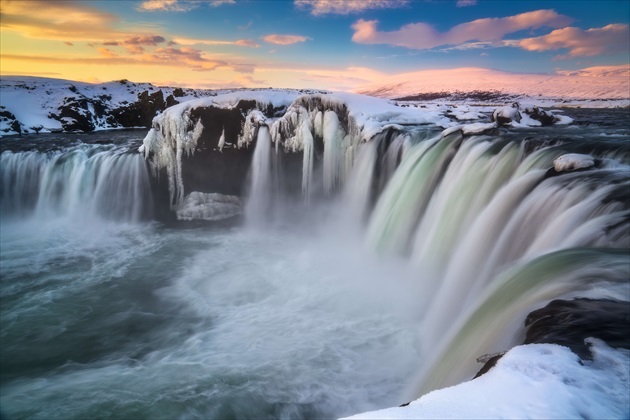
x=573, y=161
x=532, y=381
x=32, y=99
x=595, y=87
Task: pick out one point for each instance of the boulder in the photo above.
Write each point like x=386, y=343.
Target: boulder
x=507, y=114
x=544, y=117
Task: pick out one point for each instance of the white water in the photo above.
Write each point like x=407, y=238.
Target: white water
x=260, y=199
x=83, y=182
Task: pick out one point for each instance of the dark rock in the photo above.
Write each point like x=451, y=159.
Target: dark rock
x=141, y=112
x=170, y=101
x=570, y=322
x=544, y=117
x=74, y=115
x=489, y=365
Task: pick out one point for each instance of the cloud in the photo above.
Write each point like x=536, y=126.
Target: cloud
x=178, y=5
x=345, y=7
x=240, y=42
x=152, y=40
x=134, y=49
x=579, y=42
x=106, y=52
x=466, y=3
x=185, y=57
x=424, y=36
x=284, y=39
x=57, y=20
x=599, y=71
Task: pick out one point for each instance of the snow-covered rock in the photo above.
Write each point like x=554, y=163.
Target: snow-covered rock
x=507, y=114
x=296, y=120
x=572, y=162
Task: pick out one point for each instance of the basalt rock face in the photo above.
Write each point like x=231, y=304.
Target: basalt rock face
x=211, y=168
x=141, y=112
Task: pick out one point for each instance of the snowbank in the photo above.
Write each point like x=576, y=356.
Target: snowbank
x=532, y=381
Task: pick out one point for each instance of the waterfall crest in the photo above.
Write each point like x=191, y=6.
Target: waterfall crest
x=84, y=182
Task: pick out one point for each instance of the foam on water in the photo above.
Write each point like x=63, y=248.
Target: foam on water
x=203, y=323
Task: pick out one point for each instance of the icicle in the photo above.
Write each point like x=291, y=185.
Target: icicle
x=221, y=140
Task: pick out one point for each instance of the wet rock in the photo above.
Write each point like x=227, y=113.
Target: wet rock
x=544, y=117
x=570, y=322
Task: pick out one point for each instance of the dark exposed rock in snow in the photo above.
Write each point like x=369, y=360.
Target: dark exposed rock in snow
x=544, y=117
x=570, y=322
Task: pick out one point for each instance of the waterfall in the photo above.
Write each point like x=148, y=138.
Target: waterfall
x=260, y=199
x=491, y=238
x=84, y=182
x=488, y=227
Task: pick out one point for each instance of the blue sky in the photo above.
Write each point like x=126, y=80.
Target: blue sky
x=332, y=44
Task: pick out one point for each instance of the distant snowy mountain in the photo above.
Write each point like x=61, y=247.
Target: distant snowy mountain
x=598, y=86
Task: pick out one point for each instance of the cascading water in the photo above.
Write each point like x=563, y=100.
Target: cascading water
x=468, y=211
x=260, y=200
x=83, y=182
x=430, y=253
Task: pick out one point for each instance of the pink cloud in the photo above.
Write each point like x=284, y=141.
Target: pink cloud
x=284, y=39
x=579, y=42
x=191, y=41
x=152, y=40
x=178, y=5
x=344, y=7
x=247, y=43
x=424, y=36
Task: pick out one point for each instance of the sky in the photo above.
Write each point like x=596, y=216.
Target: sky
x=322, y=44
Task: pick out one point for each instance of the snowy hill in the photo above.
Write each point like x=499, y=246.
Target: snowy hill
x=34, y=105
x=31, y=104
x=592, y=87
